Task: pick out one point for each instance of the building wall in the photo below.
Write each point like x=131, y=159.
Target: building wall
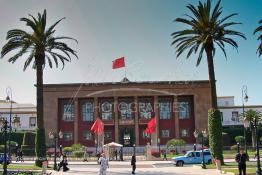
x=199, y=93
x=230, y=119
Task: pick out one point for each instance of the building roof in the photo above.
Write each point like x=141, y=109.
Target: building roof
x=226, y=97
x=246, y=106
x=127, y=82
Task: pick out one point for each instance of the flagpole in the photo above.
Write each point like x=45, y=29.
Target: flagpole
x=125, y=72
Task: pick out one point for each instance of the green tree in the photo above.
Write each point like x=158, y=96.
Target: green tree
x=239, y=139
x=250, y=115
x=259, y=29
x=207, y=29
x=40, y=46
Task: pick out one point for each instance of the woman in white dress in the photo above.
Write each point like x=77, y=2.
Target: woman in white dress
x=103, y=164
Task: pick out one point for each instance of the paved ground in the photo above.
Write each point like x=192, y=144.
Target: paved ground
x=143, y=168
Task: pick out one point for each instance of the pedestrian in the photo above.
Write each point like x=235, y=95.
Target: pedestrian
x=194, y=147
x=65, y=163
x=21, y=156
x=116, y=153
x=121, y=154
x=18, y=155
x=60, y=165
x=164, y=155
x=241, y=159
x=133, y=163
x=103, y=164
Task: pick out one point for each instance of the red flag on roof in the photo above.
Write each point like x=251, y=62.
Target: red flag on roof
x=151, y=126
x=118, y=63
x=98, y=127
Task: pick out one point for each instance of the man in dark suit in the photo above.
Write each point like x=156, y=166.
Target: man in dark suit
x=133, y=163
x=241, y=159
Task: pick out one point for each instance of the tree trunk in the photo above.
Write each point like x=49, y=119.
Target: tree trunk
x=253, y=138
x=211, y=72
x=39, y=90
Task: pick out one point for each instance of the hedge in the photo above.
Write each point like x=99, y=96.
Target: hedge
x=215, y=134
x=29, y=138
x=28, y=150
x=15, y=136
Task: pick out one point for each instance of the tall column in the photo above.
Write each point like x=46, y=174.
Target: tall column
x=136, y=121
x=76, y=119
x=156, y=135
x=96, y=105
x=116, y=119
x=175, y=107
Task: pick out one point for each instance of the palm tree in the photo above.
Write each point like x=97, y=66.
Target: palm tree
x=39, y=47
x=259, y=29
x=206, y=30
x=250, y=115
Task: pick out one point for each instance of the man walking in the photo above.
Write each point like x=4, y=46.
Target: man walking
x=103, y=164
x=241, y=159
x=133, y=163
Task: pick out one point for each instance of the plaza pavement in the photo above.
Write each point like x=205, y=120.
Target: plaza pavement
x=143, y=168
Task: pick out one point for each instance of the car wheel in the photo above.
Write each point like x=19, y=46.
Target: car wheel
x=180, y=163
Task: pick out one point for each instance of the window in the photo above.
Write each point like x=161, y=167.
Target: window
x=125, y=110
x=183, y=110
x=68, y=112
x=235, y=117
x=191, y=154
x=165, y=133
x=207, y=153
x=108, y=135
x=165, y=110
x=146, y=135
x=32, y=122
x=184, y=133
x=197, y=154
x=88, y=111
x=68, y=136
x=145, y=110
x=87, y=135
x=107, y=110
x=221, y=115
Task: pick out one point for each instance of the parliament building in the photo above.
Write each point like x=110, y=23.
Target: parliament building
x=125, y=107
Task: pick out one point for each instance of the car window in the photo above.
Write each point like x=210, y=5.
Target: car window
x=207, y=153
x=197, y=154
x=191, y=155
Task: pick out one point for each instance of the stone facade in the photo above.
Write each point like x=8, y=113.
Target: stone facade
x=194, y=95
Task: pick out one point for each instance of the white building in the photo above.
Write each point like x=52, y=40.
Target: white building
x=231, y=113
x=25, y=113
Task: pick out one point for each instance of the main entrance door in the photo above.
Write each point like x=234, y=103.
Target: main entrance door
x=127, y=136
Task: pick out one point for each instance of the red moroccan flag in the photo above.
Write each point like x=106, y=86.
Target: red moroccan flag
x=118, y=63
x=98, y=127
x=151, y=126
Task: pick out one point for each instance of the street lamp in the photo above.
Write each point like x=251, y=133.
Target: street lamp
x=255, y=123
x=9, y=100
x=244, y=100
x=96, y=145
x=4, y=127
x=238, y=147
x=134, y=148
x=56, y=137
x=203, y=135
x=158, y=142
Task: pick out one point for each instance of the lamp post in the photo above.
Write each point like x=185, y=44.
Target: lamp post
x=56, y=137
x=9, y=100
x=134, y=148
x=203, y=135
x=96, y=145
x=158, y=142
x=4, y=127
x=255, y=123
x=237, y=147
x=244, y=99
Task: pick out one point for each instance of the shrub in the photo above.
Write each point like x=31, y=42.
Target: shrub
x=15, y=136
x=40, y=147
x=215, y=134
x=233, y=147
x=239, y=139
x=226, y=139
x=79, y=154
x=67, y=150
x=155, y=153
x=29, y=138
x=78, y=147
x=2, y=148
x=28, y=150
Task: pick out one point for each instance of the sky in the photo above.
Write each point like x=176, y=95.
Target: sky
x=139, y=30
